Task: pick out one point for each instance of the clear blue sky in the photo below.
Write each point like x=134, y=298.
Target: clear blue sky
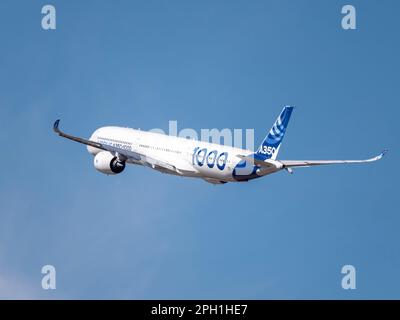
x=206, y=64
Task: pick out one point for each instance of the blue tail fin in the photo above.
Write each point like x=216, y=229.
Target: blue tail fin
x=270, y=146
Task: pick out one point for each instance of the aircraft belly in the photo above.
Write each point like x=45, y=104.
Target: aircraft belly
x=215, y=173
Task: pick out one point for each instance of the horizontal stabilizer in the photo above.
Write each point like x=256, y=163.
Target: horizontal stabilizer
x=258, y=162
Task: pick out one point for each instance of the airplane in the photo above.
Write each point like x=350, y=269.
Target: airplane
x=113, y=147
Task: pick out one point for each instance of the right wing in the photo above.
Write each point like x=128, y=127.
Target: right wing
x=308, y=163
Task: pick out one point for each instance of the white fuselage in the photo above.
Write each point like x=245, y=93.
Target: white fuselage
x=212, y=162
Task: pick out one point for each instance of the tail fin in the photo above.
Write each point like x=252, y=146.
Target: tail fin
x=270, y=146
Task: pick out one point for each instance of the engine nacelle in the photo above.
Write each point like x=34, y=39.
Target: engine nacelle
x=107, y=163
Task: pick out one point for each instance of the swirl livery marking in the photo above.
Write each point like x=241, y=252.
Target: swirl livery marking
x=276, y=133
x=270, y=145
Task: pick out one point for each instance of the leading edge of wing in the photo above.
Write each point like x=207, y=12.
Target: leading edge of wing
x=77, y=139
x=98, y=145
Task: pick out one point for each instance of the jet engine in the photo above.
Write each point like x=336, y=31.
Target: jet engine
x=107, y=163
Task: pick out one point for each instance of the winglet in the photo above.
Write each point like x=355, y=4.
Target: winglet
x=382, y=154
x=55, y=126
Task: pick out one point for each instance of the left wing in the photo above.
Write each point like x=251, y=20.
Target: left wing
x=118, y=151
x=124, y=155
x=308, y=163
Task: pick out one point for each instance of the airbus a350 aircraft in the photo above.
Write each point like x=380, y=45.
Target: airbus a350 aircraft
x=113, y=147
